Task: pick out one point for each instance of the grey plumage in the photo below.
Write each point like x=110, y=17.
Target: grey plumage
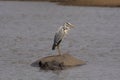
x=58, y=38
x=59, y=35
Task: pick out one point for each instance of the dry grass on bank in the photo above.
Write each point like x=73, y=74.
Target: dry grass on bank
x=88, y=2
x=82, y=2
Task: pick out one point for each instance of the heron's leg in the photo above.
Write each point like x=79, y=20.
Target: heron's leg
x=58, y=48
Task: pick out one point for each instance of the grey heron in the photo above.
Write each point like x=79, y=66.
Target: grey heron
x=60, y=34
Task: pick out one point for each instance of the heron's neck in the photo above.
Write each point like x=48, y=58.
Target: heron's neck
x=66, y=31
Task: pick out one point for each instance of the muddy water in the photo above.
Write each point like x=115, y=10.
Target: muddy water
x=26, y=34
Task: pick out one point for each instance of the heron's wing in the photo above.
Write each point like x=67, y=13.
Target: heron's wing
x=59, y=36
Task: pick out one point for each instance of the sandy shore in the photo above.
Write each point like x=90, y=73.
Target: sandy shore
x=26, y=34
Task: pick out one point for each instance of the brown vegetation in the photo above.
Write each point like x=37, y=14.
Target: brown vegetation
x=82, y=2
x=88, y=2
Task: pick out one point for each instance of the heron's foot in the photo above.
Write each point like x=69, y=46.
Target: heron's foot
x=59, y=54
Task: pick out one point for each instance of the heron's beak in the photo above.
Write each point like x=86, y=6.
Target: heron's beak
x=72, y=26
x=69, y=25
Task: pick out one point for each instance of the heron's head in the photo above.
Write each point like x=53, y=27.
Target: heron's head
x=68, y=25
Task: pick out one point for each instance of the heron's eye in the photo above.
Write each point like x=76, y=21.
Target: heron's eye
x=64, y=28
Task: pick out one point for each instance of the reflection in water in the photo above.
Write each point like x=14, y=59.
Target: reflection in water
x=59, y=75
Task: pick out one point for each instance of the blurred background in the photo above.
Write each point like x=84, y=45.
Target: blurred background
x=27, y=29
x=110, y=3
